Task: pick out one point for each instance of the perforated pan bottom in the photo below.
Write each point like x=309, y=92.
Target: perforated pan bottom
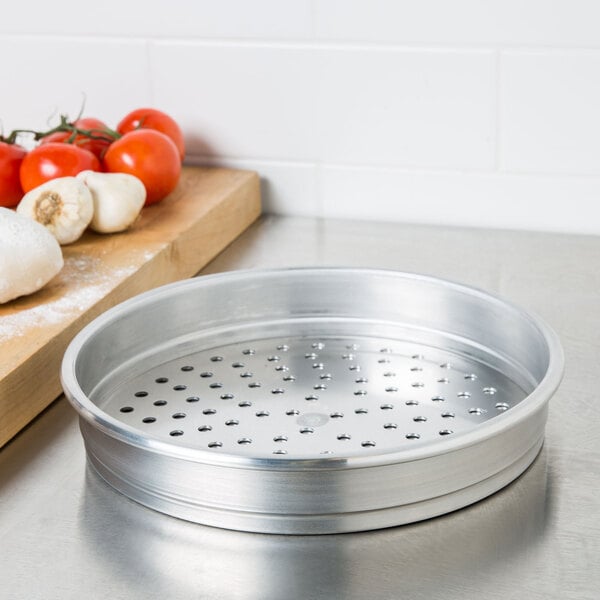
x=305, y=398
x=275, y=401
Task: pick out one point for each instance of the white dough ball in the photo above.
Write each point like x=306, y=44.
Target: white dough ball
x=29, y=255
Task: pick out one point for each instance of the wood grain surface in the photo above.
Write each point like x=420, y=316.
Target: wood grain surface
x=171, y=240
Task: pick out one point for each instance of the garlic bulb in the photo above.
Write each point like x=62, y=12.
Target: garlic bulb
x=29, y=256
x=63, y=205
x=118, y=199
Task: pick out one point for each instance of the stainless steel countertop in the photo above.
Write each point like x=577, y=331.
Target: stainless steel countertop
x=64, y=534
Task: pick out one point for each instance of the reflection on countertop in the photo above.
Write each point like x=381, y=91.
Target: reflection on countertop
x=420, y=560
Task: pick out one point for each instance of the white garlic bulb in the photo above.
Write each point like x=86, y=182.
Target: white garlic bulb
x=118, y=199
x=63, y=205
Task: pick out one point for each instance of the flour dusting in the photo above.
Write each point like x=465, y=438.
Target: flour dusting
x=86, y=281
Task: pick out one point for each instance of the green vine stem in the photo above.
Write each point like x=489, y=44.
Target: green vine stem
x=108, y=135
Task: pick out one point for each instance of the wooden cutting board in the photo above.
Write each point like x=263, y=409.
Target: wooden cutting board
x=172, y=240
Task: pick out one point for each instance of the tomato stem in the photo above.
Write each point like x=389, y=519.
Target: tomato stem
x=107, y=135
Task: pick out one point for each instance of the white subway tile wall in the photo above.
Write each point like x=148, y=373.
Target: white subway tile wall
x=471, y=112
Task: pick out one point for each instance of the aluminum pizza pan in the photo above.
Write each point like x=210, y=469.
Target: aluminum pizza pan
x=315, y=400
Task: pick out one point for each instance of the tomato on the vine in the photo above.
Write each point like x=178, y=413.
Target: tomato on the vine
x=93, y=144
x=52, y=160
x=149, y=155
x=151, y=118
x=11, y=157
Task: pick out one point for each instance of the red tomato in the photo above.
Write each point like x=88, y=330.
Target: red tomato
x=95, y=146
x=149, y=155
x=52, y=160
x=150, y=118
x=11, y=157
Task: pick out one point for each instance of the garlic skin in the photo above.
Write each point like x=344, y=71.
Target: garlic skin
x=118, y=199
x=63, y=205
x=29, y=256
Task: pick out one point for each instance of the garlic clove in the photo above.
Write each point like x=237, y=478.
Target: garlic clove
x=63, y=205
x=118, y=199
